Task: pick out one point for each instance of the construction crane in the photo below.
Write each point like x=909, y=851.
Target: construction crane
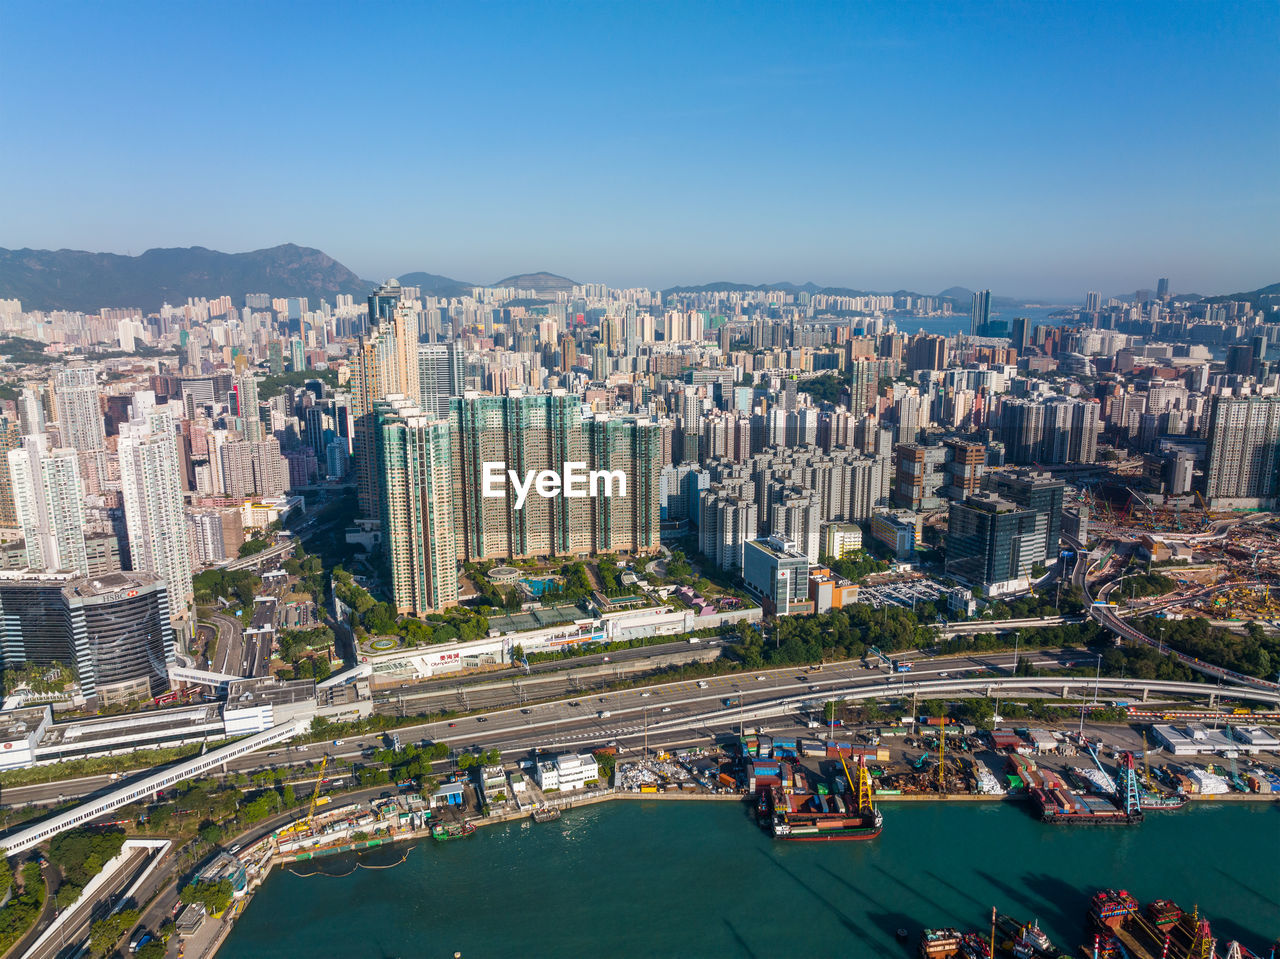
x=861, y=785
x=302, y=825
x=1146, y=766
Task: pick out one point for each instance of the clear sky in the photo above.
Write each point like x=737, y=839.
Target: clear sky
x=1039, y=150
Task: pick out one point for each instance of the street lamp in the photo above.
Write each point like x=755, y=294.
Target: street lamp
x=1097, y=678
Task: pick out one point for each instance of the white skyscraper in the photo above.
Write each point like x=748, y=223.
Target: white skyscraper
x=75, y=394
x=48, y=501
x=151, y=486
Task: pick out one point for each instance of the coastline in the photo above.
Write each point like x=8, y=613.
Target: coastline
x=398, y=837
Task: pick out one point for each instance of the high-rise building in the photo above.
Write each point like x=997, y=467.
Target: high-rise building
x=245, y=392
x=48, y=500
x=75, y=394
x=151, y=487
x=386, y=364
x=1034, y=491
x=995, y=544
x=113, y=629
x=1092, y=301
x=416, y=486
x=980, y=314
x=1020, y=333
x=1244, y=443
x=776, y=572
x=1070, y=431
x=545, y=431
x=440, y=377
x=1162, y=288
x=10, y=439
x=727, y=521
x=1022, y=430
x=30, y=412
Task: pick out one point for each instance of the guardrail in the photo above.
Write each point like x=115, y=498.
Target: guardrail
x=23, y=839
x=1061, y=686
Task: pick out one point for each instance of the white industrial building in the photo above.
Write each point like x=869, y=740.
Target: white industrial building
x=566, y=771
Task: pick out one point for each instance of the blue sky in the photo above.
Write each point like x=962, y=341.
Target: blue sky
x=1036, y=149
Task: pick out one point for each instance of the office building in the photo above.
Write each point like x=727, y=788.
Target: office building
x=1020, y=334
x=417, y=509
x=113, y=629
x=1035, y=491
x=779, y=575
x=1162, y=288
x=1244, y=442
x=75, y=396
x=48, y=500
x=151, y=487
x=994, y=544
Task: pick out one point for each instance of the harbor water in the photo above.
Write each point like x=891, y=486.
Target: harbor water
x=663, y=878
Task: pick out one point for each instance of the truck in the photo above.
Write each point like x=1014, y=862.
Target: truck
x=702, y=684
x=731, y=701
x=902, y=667
x=603, y=714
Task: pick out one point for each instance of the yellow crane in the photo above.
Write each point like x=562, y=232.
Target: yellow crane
x=301, y=825
x=861, y=785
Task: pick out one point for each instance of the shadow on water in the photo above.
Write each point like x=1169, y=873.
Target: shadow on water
x=742, y=943
x=1251, y=890
x=835, y=910
x=1015, y=899
x=889, y=922
x=914, y=892
x=965, y=894
x=1061, y=905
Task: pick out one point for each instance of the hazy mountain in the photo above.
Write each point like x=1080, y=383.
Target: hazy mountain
x=77, y=280
x=1253, y=296
x=433, y=284
x=541, y=282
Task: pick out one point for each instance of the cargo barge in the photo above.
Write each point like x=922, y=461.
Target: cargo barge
x=948, y=943
x=441, y=832
x=1056, y=803
x=845, y=812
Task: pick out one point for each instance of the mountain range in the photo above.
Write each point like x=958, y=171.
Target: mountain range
x=88, y=282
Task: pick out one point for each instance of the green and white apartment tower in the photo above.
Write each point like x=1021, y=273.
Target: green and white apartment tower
x=417, y=506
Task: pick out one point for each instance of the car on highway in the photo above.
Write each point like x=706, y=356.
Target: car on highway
x=574, y=702
x=813, y=689
x=760, y=677
x=645, y=695
x=944, y=675
x=451, y=725
x=666, y=709
x=482, y=719
x=526, y=711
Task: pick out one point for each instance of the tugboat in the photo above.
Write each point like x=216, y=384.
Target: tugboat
x=1027, y=940
x=973, y=946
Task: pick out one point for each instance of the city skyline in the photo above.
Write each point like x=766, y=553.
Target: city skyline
x=879, y=147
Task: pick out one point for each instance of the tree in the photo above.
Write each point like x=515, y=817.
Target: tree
x=105, y=933
x=829, y=711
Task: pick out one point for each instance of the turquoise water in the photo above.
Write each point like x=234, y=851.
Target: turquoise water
x=539, y=586
x=642, y=879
